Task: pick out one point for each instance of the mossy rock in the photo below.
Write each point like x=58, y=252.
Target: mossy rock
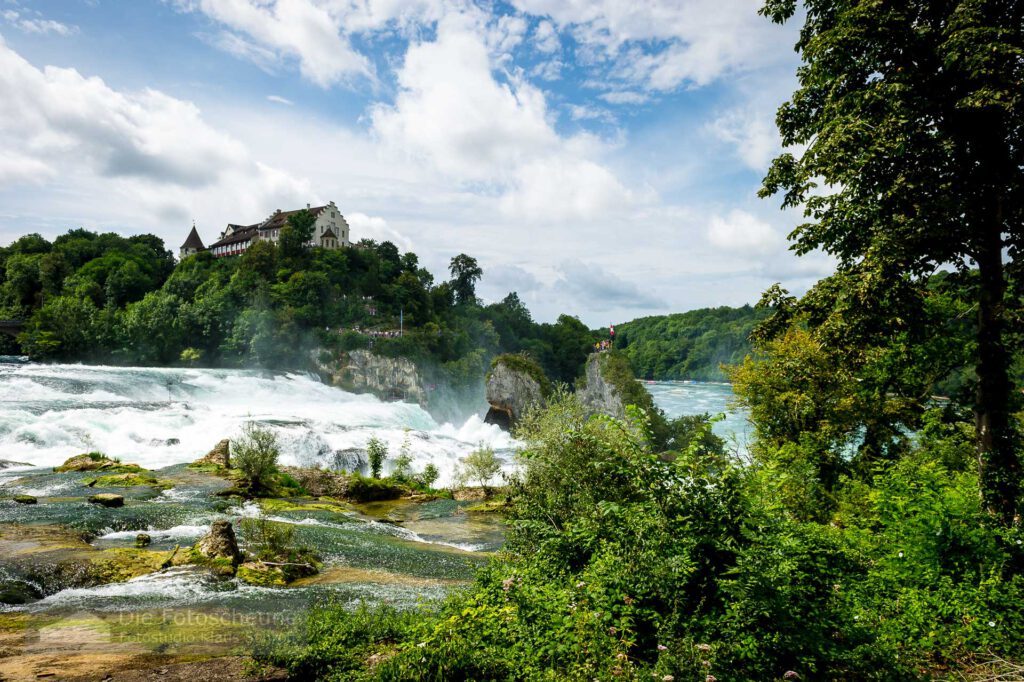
x=107, y=500
x=128, y=480
x=97, y=461
x=261, y=575
x=15, y=592
x=25, y=499
x=222, y=566
x=488, y=507
x=273, y=504
x=124, y=563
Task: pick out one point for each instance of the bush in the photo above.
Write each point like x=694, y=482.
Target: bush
x=428, y=477
x=376, y=453
x=482, y=465
x=364, y=489
x=255, y=455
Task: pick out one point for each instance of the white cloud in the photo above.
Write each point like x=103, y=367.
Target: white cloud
x=277, y=99
x=602, y=291
x=288, y=29
x=624, y=97
x=545, y=37
x=705, y=38
x=142, y=151
x=453, y=114
x=740, y=232
x=36, y=25
x=753, y=134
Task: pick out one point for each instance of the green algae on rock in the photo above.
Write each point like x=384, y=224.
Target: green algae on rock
x=25, y=499
x=127, y=480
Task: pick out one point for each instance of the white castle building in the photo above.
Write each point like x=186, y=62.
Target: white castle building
x=330, y=231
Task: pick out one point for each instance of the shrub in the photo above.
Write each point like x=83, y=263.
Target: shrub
x=428, y=477
x=365, y=489
x=482, y=465
x=255, y=455
x=376, y=453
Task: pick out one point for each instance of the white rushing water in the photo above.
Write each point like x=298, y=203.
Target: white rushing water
x=156, y=417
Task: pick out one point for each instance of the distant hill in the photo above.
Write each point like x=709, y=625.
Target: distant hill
x=688, y=345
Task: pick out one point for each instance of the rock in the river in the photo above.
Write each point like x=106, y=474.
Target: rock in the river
x=18, y=592
x=143, y=540
x=219, y=544
x=7, y=464
x=514, y=384
x=25, y=499
x=220, y=455
x=598, y=394
x=96, y=461
x=107, y=500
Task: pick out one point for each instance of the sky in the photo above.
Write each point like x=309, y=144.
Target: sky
x=599, y=157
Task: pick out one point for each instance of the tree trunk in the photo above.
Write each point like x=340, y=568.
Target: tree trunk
x=999, y=466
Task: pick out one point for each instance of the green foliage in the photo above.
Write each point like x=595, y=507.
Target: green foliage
x=623, y=564
x=465, y=274
x=907, y=118
x=255, y=454
x=482, y=465
x=366, y=489
x=402, y=468
x=691, y=345
x=376, y=454
x=429, y=475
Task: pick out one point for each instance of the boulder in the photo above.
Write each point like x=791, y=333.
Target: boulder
x=107, y=500
x=143, y=540
x=219, y=456
x=16, y=591
x=25, y=499
x=514, y=385
x=219, y=544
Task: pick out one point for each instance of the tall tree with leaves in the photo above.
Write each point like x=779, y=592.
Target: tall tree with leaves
x=910, y=117
x=297, y=233
x=465, y=274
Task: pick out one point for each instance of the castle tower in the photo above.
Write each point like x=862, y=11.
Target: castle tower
x=193, y=244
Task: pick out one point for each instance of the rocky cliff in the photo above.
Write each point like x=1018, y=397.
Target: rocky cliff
x=361, y=371
x=514, y=385
x=598, y=391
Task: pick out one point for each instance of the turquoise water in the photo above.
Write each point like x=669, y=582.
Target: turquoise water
x=683, y=397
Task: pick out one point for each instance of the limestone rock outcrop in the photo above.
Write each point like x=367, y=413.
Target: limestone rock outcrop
x=362, y=371
x=514, y=385
x=597, y=394
x=220, y=455
x=220, y=543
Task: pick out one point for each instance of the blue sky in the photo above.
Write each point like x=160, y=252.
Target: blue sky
x=600, y=157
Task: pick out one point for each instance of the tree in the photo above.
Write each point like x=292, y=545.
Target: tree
x=429, y=475
x=910, y=117
x=297, y=233
x=255, y=455
x=376, y=453
x=465, y=274
x=482, y=465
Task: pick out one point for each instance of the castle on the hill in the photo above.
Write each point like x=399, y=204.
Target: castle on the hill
x=330, y=232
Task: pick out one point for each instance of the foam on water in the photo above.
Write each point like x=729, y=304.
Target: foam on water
x=156, y=417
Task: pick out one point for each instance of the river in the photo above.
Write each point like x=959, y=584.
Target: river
x=397, y=552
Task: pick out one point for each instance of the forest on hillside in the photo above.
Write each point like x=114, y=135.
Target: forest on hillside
x=101, y=297
x=692, y=345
